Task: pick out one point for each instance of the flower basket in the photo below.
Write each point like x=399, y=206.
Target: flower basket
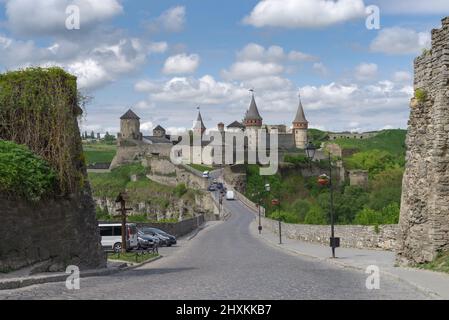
x=323, y=180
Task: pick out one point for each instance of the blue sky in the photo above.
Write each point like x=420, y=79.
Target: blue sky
x=165, y=58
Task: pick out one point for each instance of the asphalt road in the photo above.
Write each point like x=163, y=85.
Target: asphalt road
x=224, y=261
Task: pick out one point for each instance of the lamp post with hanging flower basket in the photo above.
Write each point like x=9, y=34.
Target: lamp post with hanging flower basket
x=326, y=181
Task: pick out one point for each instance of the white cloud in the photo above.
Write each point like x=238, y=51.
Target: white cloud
x=172, y=20
x=89, y=72
x=419, y=7
x=366, y=71
x=300, y=56
x=205, y=90
x=47, y=17
x=320, y=68
x=251, y=69
x=181, y=64
x=399, y=40
x=402, y=76
x=158, y=47
x=256, y=52
x=304, y=13
x=147, y=126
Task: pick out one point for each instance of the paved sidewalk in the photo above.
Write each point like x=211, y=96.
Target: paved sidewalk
x=434, y=283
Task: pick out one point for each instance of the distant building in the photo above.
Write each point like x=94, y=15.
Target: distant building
x=130, y=126
x=352, y=135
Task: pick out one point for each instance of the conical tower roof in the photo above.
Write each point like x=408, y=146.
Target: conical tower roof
x=253, y=112
x=199, y=124
x=300, y=116
x=130, y=115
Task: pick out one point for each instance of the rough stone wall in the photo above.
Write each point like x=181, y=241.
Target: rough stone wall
x=361, y=237
x=56, y=232
x=358, y=178
x=424, y=220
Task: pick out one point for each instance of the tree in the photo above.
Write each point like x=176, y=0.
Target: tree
x=300, y=208
x=386, y=188
x=374, y=161
x=368, y=217
x=316, y=216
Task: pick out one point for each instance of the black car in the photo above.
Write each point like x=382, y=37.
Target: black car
x=212, y=188
x=170, y=240
x=146, y=241
x=220, y=186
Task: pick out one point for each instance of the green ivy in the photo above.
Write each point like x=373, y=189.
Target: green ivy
x=24, y=174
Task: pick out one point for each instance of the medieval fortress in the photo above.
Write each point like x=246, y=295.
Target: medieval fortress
x=424, y=219
x=133, y=145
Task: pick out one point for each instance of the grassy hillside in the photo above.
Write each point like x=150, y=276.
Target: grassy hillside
x=304, y=201
x=99, y=152
x=392, y=141
x=144, y=190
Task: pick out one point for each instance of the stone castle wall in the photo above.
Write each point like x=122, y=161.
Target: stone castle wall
x=424, y=220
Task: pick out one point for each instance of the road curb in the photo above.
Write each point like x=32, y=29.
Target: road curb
x=17, y=283
x=341, y=264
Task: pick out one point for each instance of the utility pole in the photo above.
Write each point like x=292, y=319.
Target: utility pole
x=121, y=198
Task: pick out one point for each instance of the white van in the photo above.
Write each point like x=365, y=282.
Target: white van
x=230, y=195
x=111, y=236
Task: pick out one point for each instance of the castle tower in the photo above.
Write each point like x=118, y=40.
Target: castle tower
x=199, y=128
x=130, y=126
x=252, y=123
x=159, y=131
x=252, y=117
x=300, y=127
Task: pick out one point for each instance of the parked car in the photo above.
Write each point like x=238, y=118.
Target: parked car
x=230, y=195
x=111, y=236
x=168, y=239
x=220, y=186
x=146, y=241
x=206, y=174
x=212, y=188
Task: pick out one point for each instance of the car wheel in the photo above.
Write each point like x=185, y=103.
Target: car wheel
x=117, y=247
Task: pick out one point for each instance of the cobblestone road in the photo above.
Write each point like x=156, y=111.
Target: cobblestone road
x=224, y=261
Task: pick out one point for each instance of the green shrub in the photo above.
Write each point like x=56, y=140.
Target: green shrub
x=368, y=217
x=296, y=159
x=420, y=95
x=316, y=216
x=24, y=174
x=300, y=208
x=287, y=217
x=180, y=190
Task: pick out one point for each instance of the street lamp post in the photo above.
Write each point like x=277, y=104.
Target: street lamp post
x=334, y=242
x=331, y=189
x=276, y=202
x=267, y=189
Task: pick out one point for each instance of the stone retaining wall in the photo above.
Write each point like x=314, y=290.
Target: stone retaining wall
x=362, y=237
x=59, y=232
x=178, y=229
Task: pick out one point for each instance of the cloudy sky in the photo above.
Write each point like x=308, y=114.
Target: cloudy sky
x=165, y=58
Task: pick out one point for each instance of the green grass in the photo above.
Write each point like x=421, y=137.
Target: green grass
x=440, y=264
x=132, y=257
x=392, y=141
x=200, y=167
x=99, y=152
